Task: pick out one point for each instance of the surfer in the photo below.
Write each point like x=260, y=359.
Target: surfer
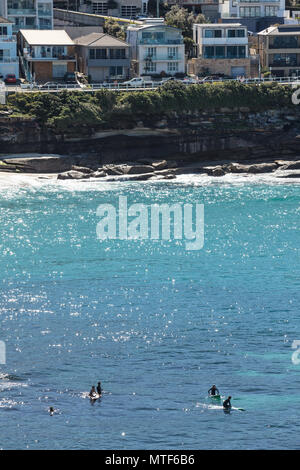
x=213, y=391
x=93, y=392
x=99, y=389
x=51, y=411
x=227, y=404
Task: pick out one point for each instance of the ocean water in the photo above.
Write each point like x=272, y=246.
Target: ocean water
x=155, y=323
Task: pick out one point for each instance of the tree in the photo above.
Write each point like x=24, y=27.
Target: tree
x=113, y=28
x=184, y=20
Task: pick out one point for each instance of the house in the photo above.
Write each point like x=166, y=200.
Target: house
x=102, y=57
x=46, y=55
x=119, y=8
x=221, y=48
x=28, y=14
x=255, y=14
x=9, y=62
x=209, y=8
x=156, y=48
x=279, y=49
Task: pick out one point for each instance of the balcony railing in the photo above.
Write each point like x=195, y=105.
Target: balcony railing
x=8, y=60
x=161, y=42
x=164, y=58
x=8, y=39
x=21, y=12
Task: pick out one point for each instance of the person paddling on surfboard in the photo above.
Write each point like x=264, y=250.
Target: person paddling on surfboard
x=227, y=404
x=213, y=391
x=93, y=392
x=99, y=389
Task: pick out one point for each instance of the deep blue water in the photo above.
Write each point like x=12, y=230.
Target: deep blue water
x=157, y=324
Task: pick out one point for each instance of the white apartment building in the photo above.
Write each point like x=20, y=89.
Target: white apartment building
x=157, y=48
x=252, y=8
x=28, y=14
x=9, y=62
x=256, y=14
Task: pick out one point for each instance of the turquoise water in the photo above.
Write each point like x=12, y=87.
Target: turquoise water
x=157, y=324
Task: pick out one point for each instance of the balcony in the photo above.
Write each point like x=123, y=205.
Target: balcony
x=109, y=62
x=240, y=41
x=165, y=58
x=158, y=42
x=8, y=39
x=9, y=60
x=31, y=58
x=21, y=12
x=46, y=13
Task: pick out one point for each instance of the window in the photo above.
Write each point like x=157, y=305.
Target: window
x=284, y=42
x=246, y=12
x=220, y=52
x=115, y=71
x=97, y=54
x=271, y=11
x=283, y=60
x=242, y=52
x=128, y=11
x=3, y=30
x=236, y=33
x=100, y=8
x=151, y=51
x=213, y=33
x=172, y=52
x=150, y=67
x=172, y=66
x=232, y=52
x=209, y=52
x=117, y=53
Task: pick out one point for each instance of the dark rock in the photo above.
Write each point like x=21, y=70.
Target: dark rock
x=98, y=174
x=262, y=168
x=72, y=175
x=160, y=165
x=237, y=168
x=218, y=171
x=137, y=169
x=41, y=164
x=291, y=166
x=82, y=169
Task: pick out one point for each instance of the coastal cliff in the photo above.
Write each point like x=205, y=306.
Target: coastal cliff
x=223, y=134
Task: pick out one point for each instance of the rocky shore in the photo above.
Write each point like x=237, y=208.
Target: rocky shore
x=215, y=143
x=71, y=168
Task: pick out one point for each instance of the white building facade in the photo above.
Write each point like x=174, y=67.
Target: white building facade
x=28, y=14
x=9, y=62
x=252, y=8
x=157, y=48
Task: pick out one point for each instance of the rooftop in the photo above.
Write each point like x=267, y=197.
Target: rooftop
x=100, y=40
x=46, y=37
x=284, y=29
x=219, y=25
x=4, y=20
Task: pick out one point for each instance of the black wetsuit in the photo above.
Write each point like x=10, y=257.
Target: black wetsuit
x=227, y=404
x=213, y=391
x=99, y=389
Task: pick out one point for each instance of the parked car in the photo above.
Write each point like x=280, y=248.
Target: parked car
x=211, y=78
x=70, y=77
x=189, y=81
x=10, y=79
x=49, y=85
x=137, y=82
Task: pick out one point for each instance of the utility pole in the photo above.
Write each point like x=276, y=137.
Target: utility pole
x=157, y=8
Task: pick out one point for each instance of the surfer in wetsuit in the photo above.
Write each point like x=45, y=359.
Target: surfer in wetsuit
x=51, y=411
x=92, y=392
x=227, y=404
x=99, y=389
x=213, y=391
